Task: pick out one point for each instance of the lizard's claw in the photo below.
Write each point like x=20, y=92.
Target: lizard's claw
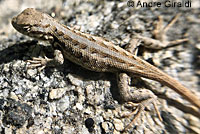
x=39, y=63
x=140, y=107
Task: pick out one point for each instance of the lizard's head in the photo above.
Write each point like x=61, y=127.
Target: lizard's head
x=33, y=23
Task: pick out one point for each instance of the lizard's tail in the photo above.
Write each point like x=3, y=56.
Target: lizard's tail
x=179, y=88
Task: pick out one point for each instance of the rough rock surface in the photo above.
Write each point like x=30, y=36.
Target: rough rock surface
x=69, y=99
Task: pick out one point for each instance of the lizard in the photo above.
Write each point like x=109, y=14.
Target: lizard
x=99, y=55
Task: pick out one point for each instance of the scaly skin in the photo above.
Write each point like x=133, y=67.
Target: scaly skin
x=91, y=52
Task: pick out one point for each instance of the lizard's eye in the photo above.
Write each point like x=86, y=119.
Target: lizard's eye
x=27, y=28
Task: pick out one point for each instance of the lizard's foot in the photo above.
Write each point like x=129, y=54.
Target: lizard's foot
x=140, y=107
x=39, y=63
x=159, y=33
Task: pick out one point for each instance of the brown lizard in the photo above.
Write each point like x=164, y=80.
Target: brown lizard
x=96, y=54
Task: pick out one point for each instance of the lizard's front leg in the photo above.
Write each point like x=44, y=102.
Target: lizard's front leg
x=41, y=63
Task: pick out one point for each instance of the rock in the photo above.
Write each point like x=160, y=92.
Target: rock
x=57, y=93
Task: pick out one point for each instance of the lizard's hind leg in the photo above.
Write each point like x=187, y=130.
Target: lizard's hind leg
x=159, y=34
x=140, y=98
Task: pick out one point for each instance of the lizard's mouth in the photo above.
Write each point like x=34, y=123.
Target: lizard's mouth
x=32, y=31
x=22, y=28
